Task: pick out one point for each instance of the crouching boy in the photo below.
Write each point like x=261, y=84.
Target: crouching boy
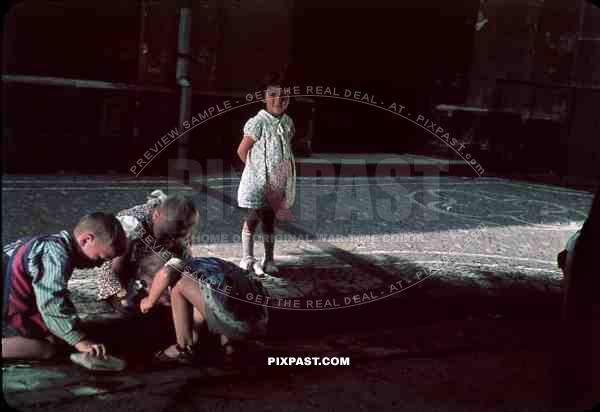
x=37, y=313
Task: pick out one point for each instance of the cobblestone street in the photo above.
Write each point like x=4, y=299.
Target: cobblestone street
x=363, y=255
x=483, y=232
x=438, y=251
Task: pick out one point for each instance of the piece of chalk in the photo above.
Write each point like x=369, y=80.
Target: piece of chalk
x=96, y=363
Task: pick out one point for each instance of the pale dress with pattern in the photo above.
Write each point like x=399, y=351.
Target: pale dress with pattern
x=269, y=159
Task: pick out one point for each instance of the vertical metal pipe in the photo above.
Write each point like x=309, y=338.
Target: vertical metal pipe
x=183, y=77
x=574, y=81
x=141, y=70
x=222, y=78
x=578, y=35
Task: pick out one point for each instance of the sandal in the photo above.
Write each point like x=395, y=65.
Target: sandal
x=185, y=355
x=228, y=352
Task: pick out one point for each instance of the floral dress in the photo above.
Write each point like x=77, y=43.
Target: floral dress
x=135, y=220
x=270, y=161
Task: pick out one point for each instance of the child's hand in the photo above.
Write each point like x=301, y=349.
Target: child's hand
x=145, y=305
x=87, y=346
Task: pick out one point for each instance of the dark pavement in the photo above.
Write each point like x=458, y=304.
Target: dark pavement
x=475, y=258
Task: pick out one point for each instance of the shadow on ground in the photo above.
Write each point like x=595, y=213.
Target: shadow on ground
x=432, y=301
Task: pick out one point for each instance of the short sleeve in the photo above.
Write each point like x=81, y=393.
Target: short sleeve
x=176, y=263
x=133, y=228
x=253, y=128
x=292, y=130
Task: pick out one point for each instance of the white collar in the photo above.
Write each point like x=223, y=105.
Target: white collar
x=270, y=117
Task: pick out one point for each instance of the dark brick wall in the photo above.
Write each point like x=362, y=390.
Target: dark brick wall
x=52, y=128
x=552, y=42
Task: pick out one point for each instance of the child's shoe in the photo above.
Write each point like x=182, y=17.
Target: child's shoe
x=270, y=267
x=265, y=267
x=184, y=355
x=247, y=263
x=257, y=269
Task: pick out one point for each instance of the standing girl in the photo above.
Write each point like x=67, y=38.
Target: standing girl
x=267, y=188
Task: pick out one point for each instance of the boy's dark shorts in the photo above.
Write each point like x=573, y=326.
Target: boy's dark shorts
x=27, y=325
x=8, y=331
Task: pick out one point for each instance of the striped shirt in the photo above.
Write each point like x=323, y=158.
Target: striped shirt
x=50, y=265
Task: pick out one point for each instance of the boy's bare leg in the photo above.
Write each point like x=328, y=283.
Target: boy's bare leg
x=17, y=347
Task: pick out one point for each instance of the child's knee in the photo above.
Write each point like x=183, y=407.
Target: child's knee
x=51, y=346
x=178, y=287
x=48, y=351
x=249, y=227
x=182, y=284
x=198, y=317
x=26, y=348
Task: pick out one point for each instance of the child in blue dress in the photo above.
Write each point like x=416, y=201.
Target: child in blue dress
x=210, y=291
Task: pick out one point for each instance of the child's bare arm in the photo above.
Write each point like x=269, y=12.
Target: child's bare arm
x=49, y=280
x=244, y=147
x=118, y=264
x=162, y=280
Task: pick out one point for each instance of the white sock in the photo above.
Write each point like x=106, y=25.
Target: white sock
x=247, y=245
